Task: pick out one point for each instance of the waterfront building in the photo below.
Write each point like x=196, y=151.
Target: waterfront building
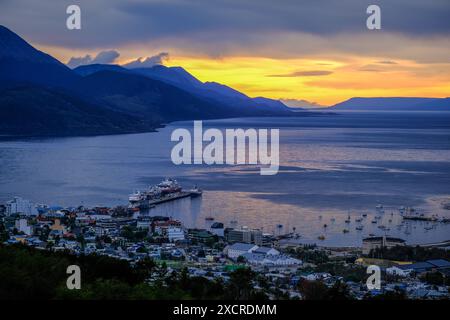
x=244, y=235
x=381, y=242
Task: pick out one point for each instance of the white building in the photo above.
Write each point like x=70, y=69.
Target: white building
x=19, y=205
x=175, y=234
x=238, y=249
x=267, y=251
x=268, y=260
x=22, y=226
x=396, y=271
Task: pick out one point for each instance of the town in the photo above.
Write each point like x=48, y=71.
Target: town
x=284, y=270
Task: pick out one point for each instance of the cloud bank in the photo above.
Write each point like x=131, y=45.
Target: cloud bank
x=103, y=57
x=148, y=62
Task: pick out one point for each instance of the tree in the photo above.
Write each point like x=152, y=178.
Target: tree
x=241, y=259
x=240, y=285
x=313, y=290
x=145, y=267
x=339, y=291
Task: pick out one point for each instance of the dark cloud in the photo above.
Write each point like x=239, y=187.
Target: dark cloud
x=103, y=57
x=308, y=73
x=148, y=62
x=113, y=22
x=247, y=27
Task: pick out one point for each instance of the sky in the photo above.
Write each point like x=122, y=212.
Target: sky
x=315, y=51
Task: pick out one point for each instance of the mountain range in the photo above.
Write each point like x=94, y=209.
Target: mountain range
x=393, y=104
x=41, y=96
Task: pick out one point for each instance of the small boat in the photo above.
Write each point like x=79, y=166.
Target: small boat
x=359, y=228
x=371, y=235
x=358, y=219
x=333, y=219
x=325, y=225
x=322, y=237
x=374, y=221
x=345, y=231
x=364, y=215
x=196, y=192
x=209, y=218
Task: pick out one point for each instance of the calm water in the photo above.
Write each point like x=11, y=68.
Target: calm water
x=331, y=166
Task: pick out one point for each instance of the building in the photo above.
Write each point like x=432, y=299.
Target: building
x=217, y=228
x=201, y=235
x=381, y=242
x=22, y=226
x=398, y=271
x=244, y=235
x=439, y=264
x=238, y=249
x=19, y=205
x=175, y=234
x=144, y=223
x=267, y=251
x=105, y=227
x=268, y=260
x=160, y=226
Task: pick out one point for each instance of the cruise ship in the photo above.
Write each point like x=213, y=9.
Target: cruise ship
x=167, y=190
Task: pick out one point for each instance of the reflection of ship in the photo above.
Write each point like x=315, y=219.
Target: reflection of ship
x=167, y=190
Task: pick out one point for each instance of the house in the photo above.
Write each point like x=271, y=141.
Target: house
x=238, y=249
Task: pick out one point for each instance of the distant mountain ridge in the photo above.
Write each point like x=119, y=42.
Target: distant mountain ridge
x=42, y=96
x=180, y=78
x=393, y=104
